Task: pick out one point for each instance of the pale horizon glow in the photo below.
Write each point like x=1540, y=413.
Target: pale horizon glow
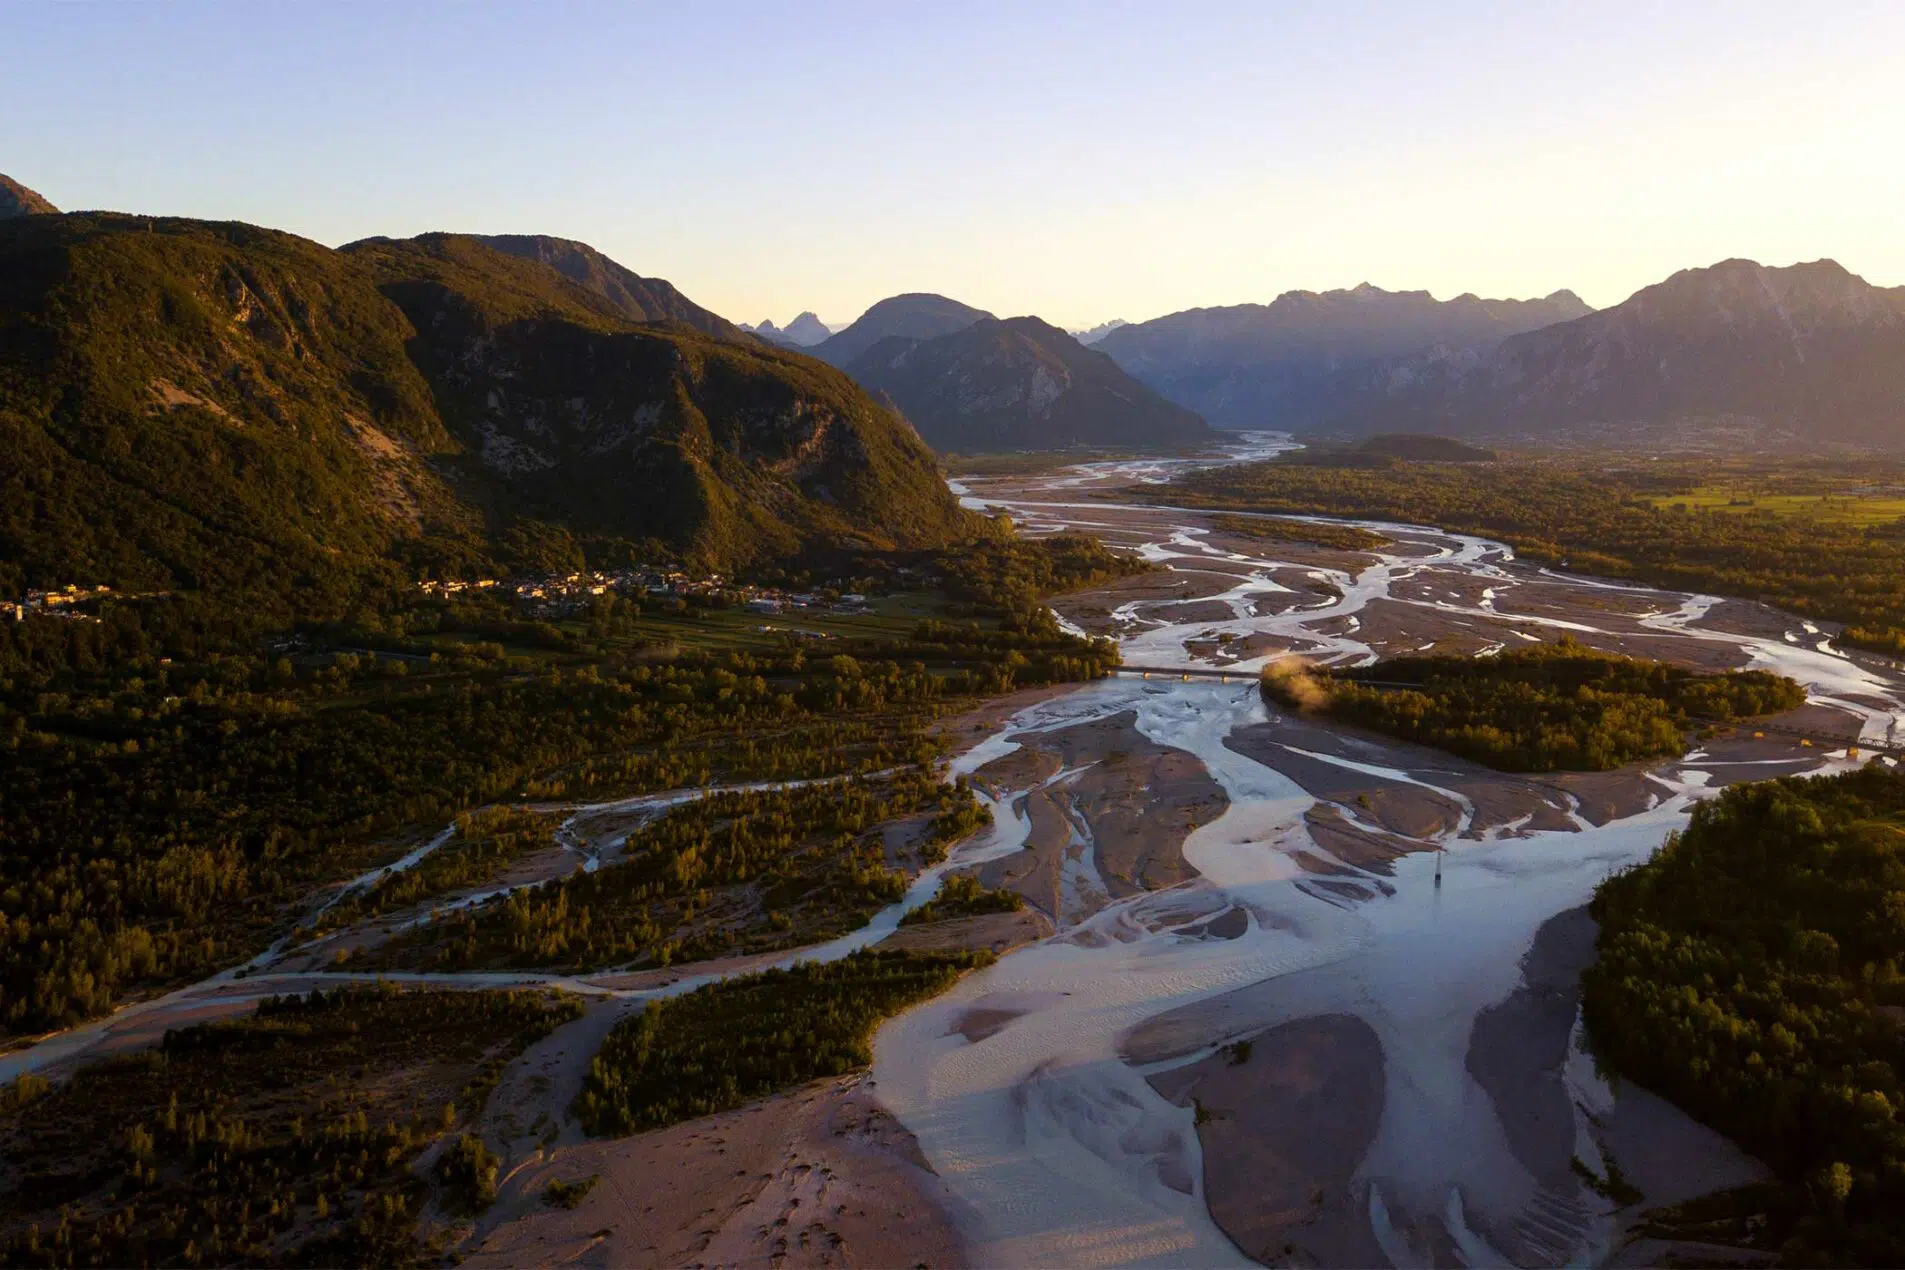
x=1081, y=162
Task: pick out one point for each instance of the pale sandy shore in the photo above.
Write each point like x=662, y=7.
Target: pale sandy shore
x=1109, y=810
x=821, y=1176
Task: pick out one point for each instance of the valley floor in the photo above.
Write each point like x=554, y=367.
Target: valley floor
x=1280, y=991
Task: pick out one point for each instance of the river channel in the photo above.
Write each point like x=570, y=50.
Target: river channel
x=1398, y=996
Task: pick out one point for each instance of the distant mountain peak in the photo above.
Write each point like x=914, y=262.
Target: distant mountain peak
x=806, y=329
x=1091, y=335
x=1019, y=384
x=918, y=315
x=17, y=200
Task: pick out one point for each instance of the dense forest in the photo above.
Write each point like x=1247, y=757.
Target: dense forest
x=1537, y=709
x=1615, y=520
x=736, y=872
x=742, y=1039
x=1753, y=972
x=285, y=1137
x=1283, y=529
x=483, y=843
x=174, y=788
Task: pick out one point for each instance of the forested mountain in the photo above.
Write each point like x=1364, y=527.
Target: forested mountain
x=1019, y=384
x=1290, y=363
x=916, y=316
x=17, y=200
x=1810, y=351
x=637, y=298
x=215, y=406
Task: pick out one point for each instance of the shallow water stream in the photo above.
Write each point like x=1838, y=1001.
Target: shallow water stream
x=1048, y=1130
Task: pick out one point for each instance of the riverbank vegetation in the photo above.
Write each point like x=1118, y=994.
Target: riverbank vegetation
x=176, y=783
x=1753, y=971
x=729, y=1043
x=482, y=844
x=963, y=895
x=1283, y=529
x=1547, y=707
x=283, y=1137
x=731, y=873
x=1821, y=538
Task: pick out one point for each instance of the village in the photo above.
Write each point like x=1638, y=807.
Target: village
x=559, y=595
x=546, y=596
x=64, y=602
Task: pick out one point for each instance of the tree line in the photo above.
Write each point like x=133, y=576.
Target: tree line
x=729, y=1043
x=1753, y=971
x=1547, y=707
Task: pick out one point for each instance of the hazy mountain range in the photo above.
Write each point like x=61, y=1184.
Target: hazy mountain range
x=1806, y=353
x=1287, y=364
x=805, y=331
x=1091, y=335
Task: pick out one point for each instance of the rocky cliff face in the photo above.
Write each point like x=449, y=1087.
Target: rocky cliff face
x=1807, y=352
x=1289, y=364
x=736, y=451
x=1020, y=384
x=915, y=316
x=17, y=200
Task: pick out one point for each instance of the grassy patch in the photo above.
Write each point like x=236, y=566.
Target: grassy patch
x=1850, y=506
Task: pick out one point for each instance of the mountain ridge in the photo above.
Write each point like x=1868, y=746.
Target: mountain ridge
x=17, y=200
x=212, y=405
x=919, y=315
x=1019, y=383
x=1810, y=351
x=1285, y=364
x=638, y=298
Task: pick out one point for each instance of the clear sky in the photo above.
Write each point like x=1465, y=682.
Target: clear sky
x=1078, y=161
